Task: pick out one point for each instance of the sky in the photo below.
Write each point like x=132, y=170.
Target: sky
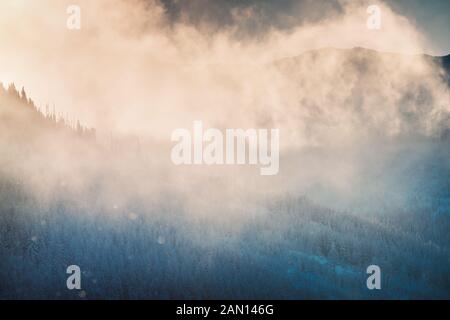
x=431, y=17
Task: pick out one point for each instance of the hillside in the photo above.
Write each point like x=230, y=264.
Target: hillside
x=126, y=221
x=22, y=119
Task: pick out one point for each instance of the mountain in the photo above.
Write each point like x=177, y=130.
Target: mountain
x=63, y=204
x=364, y=57
x=445, y=61
x=365, y=91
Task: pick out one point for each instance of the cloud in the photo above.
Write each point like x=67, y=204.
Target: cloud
x=249, y=17
x=130, y=61
x=145, y=68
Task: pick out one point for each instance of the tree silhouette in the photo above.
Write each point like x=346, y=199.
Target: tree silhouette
x=11, y=98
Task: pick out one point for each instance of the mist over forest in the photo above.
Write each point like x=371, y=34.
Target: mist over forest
x=364, y=159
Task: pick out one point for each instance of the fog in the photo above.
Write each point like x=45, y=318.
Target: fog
x=88, y=179
x=135, y=74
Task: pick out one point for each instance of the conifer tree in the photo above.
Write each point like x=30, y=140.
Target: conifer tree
x=2, y=90
x=23, y=94
x=12, y=91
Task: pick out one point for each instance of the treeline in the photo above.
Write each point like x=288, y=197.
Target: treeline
x=17, y=108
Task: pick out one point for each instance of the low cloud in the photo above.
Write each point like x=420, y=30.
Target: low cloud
x=145, y=68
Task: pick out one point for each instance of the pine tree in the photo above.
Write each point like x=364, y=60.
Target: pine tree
x=2, y=90
x=12, y=91
x=23, y=94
